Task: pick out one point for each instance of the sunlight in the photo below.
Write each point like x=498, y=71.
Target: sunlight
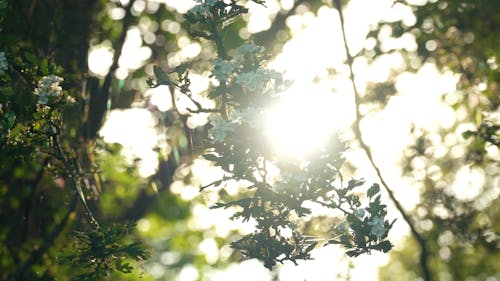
x=305, y=119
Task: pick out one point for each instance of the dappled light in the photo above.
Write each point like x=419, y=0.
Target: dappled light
x=303, y=120
x=201, y=140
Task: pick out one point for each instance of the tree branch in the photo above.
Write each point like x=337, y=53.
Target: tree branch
x=99, y=97
x=221, y=50
x=76, y=179
x=424, y=255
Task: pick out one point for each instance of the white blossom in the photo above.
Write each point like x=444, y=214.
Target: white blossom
x=360, y=212
x=70, y=99
x=253, y=80
x=47, y=87
x=249, y=115
x=342, y=226
x=377, y=226
x=3, y=62
x=220, y=128
x=249, y=48
x=223, y=69
x=257, y=80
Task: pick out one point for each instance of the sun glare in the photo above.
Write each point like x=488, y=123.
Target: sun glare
x=304, y=120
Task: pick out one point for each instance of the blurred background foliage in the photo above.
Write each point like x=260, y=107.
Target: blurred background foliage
x=40, y=217
x=461, y=233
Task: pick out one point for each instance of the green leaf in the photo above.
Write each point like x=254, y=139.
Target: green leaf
x=311, y=247
x=30, y=57
x=352, y=253
x=123, y=267
x=355, y=183
x=468, y=134
x=374, y=189
x=161, y=76
x=384, y=246
x=218, y=205
x=333, y=241
x=211, y=157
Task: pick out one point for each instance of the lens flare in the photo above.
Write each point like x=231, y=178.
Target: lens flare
x=302, y=122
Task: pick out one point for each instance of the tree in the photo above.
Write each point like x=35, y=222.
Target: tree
x=68, y=187
x=46, y=149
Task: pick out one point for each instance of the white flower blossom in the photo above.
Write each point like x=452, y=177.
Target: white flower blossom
x=377, y=226
x=47, y=87
x=220, y=128
x=249, y=48
x=360, y=212
x=257, y=80
x=249, y=115
x=342, y=226
x=3, y=62
x=70, y=99
x=223, y=69
x=253, y=80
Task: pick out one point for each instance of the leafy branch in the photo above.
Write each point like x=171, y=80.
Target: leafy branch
x=245, y=89
x=100, y=252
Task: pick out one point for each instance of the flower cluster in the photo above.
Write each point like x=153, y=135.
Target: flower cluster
x=359, y=212
x=47, y=87
x=253, y=80
x=377, y=227
x=220, y=128
x=244, y=91
x=249, y=49
x=249, y=115
x=223, y=69
x=245, y=71
x=3, y=62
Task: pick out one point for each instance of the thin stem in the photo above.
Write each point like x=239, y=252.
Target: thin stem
x=76, y=180
x=221, y=50
x=357, y=131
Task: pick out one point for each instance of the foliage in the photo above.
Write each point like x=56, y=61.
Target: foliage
x=102, y=251
x=51, y=112
x=45, y=166
x=64, y=190
x=244, y=92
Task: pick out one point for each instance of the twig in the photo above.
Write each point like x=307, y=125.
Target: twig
x=221, y=50
x=76, y=178
x=357, y=131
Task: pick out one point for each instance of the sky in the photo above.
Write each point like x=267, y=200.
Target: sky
x=316, y=46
